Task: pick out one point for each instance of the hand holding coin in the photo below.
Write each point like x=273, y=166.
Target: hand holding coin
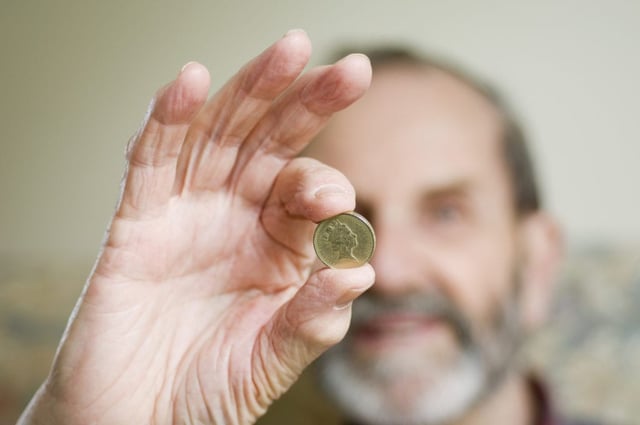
x=204, y=287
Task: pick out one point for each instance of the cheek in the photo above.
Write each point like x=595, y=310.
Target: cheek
x=478, y=274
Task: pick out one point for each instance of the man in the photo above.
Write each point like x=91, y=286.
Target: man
x=465, y=255
x=203, y=306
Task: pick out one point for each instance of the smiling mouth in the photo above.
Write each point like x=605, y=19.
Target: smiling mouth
x=391, y=330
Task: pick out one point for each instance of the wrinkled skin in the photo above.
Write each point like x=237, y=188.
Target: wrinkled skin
x=202, y=307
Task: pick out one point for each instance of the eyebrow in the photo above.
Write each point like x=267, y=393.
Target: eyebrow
x=453, y=188
x=429, y=194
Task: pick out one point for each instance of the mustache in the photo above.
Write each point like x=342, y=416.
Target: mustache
x=370, y=306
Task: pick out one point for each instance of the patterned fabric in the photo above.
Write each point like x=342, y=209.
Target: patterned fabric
x=546, y=412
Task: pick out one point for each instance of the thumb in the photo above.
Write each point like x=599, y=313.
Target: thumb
x=316, y=318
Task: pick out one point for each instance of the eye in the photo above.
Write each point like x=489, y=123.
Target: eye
x=446, y=212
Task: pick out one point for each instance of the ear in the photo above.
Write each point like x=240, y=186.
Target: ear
x=543, y=249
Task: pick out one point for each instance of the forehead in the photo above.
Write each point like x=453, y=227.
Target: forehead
x=419, y=125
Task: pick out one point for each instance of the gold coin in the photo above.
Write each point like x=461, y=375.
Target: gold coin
x=344, y=241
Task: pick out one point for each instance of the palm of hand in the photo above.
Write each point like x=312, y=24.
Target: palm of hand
x=208, y=300
x=201, y=308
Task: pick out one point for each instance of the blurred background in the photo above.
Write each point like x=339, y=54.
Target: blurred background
x=76, y=77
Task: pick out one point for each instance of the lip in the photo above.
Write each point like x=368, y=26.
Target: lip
x=396, y=329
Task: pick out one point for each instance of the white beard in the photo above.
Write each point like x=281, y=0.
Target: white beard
x=409, y=387
x=368, y=395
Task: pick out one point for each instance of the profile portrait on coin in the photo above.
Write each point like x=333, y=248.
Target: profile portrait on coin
x=341, y=239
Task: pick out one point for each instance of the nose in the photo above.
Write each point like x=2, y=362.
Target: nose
x=399, y=268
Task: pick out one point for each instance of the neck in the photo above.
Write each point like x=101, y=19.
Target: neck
x=510, y=403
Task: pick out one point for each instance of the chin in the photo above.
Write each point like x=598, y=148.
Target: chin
x=402, y=389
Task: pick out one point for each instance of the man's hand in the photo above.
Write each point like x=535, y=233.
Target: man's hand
x=201, y=307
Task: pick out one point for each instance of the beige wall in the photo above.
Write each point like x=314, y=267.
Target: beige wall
x=76, y=77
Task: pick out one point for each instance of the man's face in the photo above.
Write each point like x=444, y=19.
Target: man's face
x=423, y=152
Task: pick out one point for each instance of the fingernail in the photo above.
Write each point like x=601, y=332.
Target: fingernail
x=346, y=299
x=185, y=66
x=343, y=306
x=293, y=32
x=354, y=56
x=329, y=190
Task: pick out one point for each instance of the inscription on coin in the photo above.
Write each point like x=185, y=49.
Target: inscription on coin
x=344, y=241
